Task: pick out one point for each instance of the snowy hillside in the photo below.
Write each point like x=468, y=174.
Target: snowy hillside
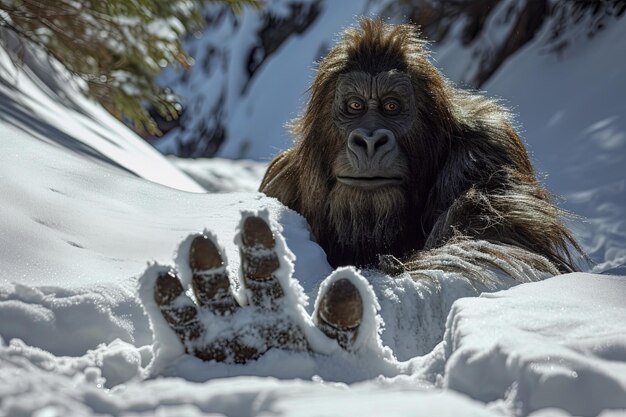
x=572, y=114
x=36, y=102
x=240, y=92
x=86, y=205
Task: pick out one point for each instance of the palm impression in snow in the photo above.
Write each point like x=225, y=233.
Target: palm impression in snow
x=215, y=323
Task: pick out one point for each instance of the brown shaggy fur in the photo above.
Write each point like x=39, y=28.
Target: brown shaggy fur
x=470, y=176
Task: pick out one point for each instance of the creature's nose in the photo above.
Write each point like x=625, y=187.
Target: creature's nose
x=369, y=144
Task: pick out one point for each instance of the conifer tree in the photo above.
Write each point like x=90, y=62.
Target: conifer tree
x=116, y=46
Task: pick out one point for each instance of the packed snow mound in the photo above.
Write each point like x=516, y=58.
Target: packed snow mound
x=558, y=343
x=73, y=387
x=549, y=348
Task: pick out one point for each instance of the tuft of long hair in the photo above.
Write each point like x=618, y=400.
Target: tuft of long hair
x=470, y=175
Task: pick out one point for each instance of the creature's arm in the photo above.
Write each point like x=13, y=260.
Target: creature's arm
x=497, y=212
x=510, y=231
x=280, y=180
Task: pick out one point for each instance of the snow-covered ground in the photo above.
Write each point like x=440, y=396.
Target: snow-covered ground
x=220, y=175
x=86, y=205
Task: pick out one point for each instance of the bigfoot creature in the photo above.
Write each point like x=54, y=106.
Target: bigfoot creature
x=394, y=168
x=391, y=159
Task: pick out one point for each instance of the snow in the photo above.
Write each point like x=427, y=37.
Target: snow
x=223, y=175
x=295, y=58
x=566, y=347
x=269, y=102
x=40, y=99
x=87, y=206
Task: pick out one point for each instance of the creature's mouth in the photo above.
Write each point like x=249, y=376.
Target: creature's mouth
x=369, y=182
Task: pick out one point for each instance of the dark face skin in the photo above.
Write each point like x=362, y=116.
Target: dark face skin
x=373, y=112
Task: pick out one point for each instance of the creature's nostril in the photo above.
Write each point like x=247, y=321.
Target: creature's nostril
x=380, y=142
x=360, y=142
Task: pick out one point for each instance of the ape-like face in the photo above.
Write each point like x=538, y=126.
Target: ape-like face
x=373, y=113
x=369, y=196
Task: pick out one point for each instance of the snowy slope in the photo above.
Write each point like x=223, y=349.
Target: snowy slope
x=79, y=224
x=572, y=114
x=223, y=175
x=218, y=93
x=557, y=343
x=39, y=99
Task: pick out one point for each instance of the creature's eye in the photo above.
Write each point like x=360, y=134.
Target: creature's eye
x=391, y=107
x=355, y=105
